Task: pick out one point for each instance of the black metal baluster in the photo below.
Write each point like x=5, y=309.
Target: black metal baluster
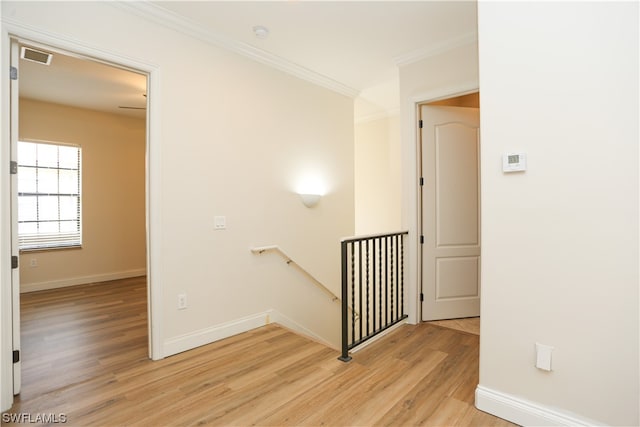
x=380, y=282
x=386, y=281
x=360, y=286
x=402, y=271
x=345, y=304
x=375, y=300
x=367, y=282
x=353, y=293
x=392, y=259
x=395, y=262
x=388, y=296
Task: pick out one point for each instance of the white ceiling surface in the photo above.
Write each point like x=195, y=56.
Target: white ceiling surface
x=82, y=83
x=357, y=44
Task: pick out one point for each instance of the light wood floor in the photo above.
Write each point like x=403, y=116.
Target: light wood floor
x=469, y=324
x=85, y=355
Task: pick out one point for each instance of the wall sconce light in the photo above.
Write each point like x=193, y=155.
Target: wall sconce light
x=310, y=200
x=310, y=186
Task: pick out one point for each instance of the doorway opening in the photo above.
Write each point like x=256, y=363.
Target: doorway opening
x=101, y=108
x=449, y=211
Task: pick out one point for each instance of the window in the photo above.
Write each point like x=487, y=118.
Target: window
x=48, y=196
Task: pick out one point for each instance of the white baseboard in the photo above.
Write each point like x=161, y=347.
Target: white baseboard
x=225, y=330
x=523, y=412
x=215, y=333
x=82, y=280
x=281, y=319
x=377, y=337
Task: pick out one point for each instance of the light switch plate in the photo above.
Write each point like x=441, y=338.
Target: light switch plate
x=220, y=222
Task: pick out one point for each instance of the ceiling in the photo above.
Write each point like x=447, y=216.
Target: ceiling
x=83, y=83
x=353, y=47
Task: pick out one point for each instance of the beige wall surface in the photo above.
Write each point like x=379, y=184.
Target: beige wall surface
x=113, y=195
x=233, y=138
x=559, y=82
x=378, y=190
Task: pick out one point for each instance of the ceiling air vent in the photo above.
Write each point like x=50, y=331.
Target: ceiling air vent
x=35, y=55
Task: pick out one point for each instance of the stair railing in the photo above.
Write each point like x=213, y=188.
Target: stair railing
x=274, y=248
x=373, y=284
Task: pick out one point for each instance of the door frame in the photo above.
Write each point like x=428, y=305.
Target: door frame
x=426, y=290
x=412, y=203
x=15, y=272
x=152, y=189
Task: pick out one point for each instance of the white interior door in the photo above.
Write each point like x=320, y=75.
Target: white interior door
x=450, y=139
x=15, y=272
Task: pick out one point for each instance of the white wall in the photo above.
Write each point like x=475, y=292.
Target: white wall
x=378, y=183
x=236, y=138
x=559, y=81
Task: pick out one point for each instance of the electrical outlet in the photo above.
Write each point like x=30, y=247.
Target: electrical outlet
x=33, y=262
x=182, y=301
x=543, y=356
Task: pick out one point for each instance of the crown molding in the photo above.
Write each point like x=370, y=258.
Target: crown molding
x=383, y=114
x=193, y=29
x=436, y=49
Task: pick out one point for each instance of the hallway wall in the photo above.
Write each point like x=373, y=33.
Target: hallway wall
x=559, y=82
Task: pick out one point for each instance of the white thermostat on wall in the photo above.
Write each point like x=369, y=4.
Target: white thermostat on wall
x=514, y=162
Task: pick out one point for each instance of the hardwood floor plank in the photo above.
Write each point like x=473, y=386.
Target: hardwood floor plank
x=289, y=389
x=85, y=355
x=469, y=324
x=448, y=413
x=316, y=400
x=420, y=402
x=376, y=396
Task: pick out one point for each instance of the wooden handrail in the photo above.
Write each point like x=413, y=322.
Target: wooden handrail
x=372, y=236
x=275, y=248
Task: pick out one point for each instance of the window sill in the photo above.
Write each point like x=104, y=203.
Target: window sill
x=51, y=249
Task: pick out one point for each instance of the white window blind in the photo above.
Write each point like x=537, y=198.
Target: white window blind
x=49, y=195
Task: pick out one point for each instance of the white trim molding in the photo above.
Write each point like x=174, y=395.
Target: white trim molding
x=6, y=297
x=436, y=49
x=228, y=329
x=159, y=15
x=439, y=94
x=377, y=337
x=281, y=319
x=524, y=412
x=81, y=280
x=215, y=333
